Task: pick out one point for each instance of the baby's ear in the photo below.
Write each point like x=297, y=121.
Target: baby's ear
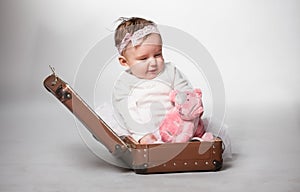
x=172, y=95
x=123, y=61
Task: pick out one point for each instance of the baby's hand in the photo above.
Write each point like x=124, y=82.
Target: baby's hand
x=148, y=139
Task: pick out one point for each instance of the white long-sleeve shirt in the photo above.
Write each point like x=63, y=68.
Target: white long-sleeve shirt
x=141, y=104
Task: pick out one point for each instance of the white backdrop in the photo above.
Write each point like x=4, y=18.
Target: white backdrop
x=255, y=44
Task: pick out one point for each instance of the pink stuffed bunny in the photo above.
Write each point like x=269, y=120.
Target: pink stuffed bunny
x=183, y=121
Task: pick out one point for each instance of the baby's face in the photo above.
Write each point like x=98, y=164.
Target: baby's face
x=145, y=60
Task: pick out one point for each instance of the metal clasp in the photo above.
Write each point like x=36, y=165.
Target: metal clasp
x=62, y=93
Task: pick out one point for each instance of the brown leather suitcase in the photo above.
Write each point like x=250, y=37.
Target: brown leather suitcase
x=142, y=158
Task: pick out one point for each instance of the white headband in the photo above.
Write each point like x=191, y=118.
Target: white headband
x=136, y=36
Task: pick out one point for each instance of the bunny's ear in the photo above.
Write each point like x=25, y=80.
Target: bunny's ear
x=198, y=91
x=172, y=95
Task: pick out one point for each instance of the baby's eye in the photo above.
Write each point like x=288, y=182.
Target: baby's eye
x=158, y=55
x=143, y=58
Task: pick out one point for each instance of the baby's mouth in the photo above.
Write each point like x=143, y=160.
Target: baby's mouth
x=152, y=71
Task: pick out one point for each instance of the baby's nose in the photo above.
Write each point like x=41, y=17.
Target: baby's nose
x=152, y=62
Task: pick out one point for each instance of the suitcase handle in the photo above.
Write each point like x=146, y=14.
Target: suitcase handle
x=66, y=95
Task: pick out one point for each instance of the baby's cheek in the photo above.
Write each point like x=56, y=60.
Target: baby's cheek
x=161, y=60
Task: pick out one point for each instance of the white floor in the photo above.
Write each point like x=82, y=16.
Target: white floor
x=41, y=150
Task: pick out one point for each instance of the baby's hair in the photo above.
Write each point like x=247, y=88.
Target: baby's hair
x=129, y=25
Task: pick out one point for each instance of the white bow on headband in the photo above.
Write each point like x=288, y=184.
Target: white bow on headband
x=136, y=36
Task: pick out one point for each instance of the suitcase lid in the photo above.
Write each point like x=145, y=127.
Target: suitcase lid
x=66, y=95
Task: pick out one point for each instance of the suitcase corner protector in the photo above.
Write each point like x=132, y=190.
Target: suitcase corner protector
x=218, y=165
